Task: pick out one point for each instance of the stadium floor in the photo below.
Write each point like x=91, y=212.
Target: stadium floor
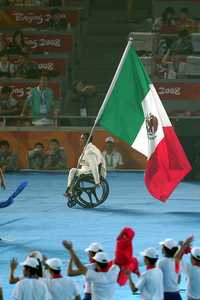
x=39, y=219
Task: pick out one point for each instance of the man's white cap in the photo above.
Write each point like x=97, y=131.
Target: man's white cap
x=54, y=263
x=196, y=252
x=30, y=262
x=150, y=252
x=169, y=243
x=109, y=139
x=94, y=247
x=101, y=257
x=36, y=254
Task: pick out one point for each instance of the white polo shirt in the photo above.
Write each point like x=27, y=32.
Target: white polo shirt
x=87, y=284
x=193, y=280
x=62, y=288
x=170, y=277
x=30, y=289
x=150, y=284
x=113, y=160
x=103, y=283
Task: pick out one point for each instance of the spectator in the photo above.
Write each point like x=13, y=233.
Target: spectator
x=184, y=21
x=55, y=156
x=36, y=157
x=91, y=251
x=112, y=157
x=30, y=287
x=103, y=278
x=6, y=68
x=8, y=105
x=1, y=291
x=166, y=23
x=8, y=159
x=26, y=68
x=41, y=103
x=170, y=270
x=183, y=45
x=150, y=283
x=82, y=93
x=58, y=20
x=18, y=45
x=59, y=287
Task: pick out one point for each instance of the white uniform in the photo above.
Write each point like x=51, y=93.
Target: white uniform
x=103, y=283
x=30, y=289
x=150, y=284
x=113, y=159
x=62, y=288
x=170, y=277
x=89, y=163
x=193, y=280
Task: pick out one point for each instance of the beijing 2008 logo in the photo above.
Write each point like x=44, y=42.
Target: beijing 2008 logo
x=151, y=125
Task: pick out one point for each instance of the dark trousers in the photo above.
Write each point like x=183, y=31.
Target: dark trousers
x=87, y=296
x=172, y=296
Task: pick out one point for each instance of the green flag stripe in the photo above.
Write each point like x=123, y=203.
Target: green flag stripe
x=123, y=114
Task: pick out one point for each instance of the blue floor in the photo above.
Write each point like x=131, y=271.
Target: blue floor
x=39, y=219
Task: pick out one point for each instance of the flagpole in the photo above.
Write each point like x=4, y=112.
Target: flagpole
x=129, y=44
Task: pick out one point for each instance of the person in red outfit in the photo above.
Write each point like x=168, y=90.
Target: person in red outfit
x=124, y=255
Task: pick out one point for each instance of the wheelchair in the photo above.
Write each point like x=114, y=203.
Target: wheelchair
x=86, y=194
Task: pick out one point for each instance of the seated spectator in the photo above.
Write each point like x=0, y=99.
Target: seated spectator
x=55, y=156
x=8, y=159
x=8, y=105
x=36, y=157
x=26, y=68
x=59, y=287
x=6, y=68
x=184, y=21
x=166, y=23
x=58, y=20
x=41, y=103
x=18, y=45
x=183, y=45
x=30, y=287
x=112, y=157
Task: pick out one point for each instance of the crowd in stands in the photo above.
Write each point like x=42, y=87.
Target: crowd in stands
x=173, y=57
x=53, y=157
x=156, y=277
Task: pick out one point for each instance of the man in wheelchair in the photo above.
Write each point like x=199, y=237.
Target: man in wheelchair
x=91, y=162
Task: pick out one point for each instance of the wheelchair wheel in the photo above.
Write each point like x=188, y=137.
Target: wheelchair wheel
x=87, y=194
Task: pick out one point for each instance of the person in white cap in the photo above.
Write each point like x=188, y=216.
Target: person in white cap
x=170, y=268
x=150, y=283
x=14, y=263
x=1, y=291
x=191, y=268
x=91, y=251
x=103, y=277
x=112, y=157
x=30, y=287
x=58, y=286
x=90, y=163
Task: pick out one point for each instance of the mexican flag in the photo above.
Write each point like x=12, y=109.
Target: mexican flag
x=132, y=111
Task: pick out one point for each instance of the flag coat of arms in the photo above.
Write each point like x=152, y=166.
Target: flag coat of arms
x=133, y=111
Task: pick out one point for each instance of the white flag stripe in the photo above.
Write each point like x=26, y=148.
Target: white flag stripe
x=151, y=105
